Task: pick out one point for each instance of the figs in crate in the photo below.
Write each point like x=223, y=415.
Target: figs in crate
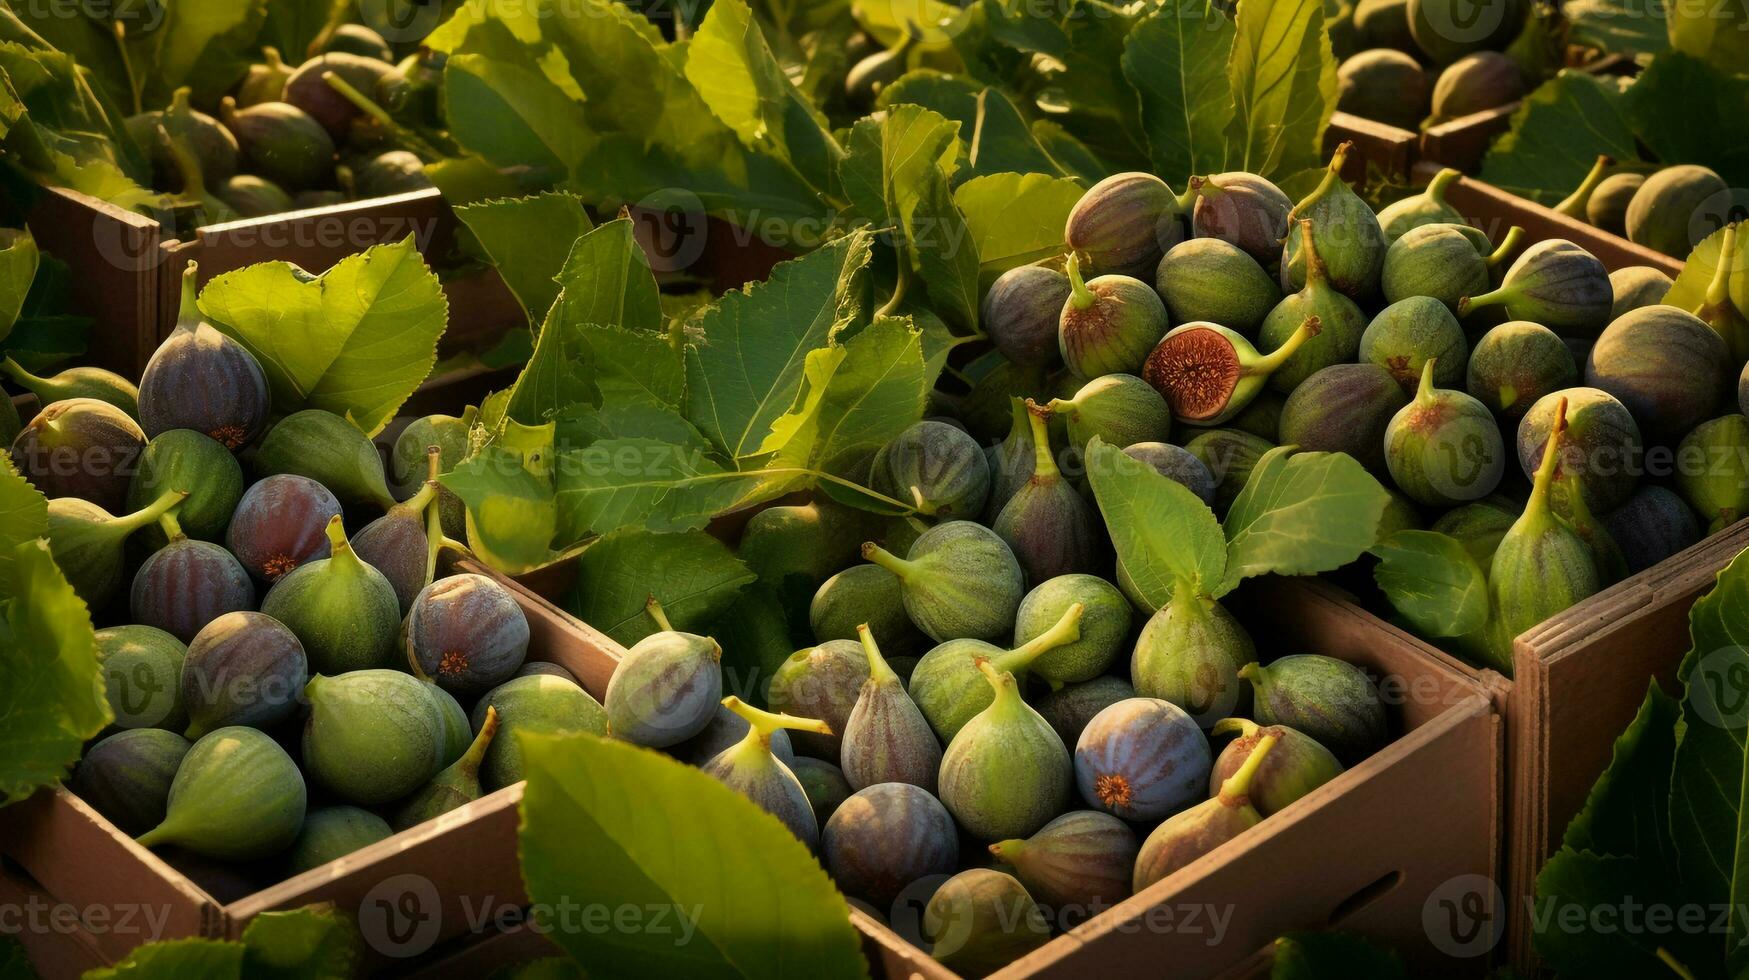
x=457, y=785
x=1444, y=447
x=467, y=633
x=1005, y=773
x=959, y=580
x=1080, y=862
x=1047, y=523
x=823, y=782
x=864, y=594
x=1555, y=283
x=1242, y=209
x=947, y=685
x=1142, y=760
x=1712, y=470
x=1339, y=230
x=77, y=382
x=1216, y=281
x=1340, y=322
x=253, y=197
x=1404, y=336
x=185, y=460
x=308, y=89
x=211, y=147
x=821, y=682
x=1108, y=324
x=1426, y=208
x=1666, y=366
x=142, y=676
x=243, y=668
x=458, y=730
x=1600, y=445
x=887, y=739
x=265, y=80
x=1384, y=24
x=81, y=448
x=1652, y=525
x=127, y=776
x=1177, y=464
x=1296, y=766
x=1190, y=654
x=281, y=142
x=187, y=584
x=1207, y=374
x=1121, y=409
x=1669, y=211
x=1446, y=30
x=328, y=449
x=90, y=544
x=1477, y=82
x=1124, y=224
x=1103, y=628
x=372, y=736
x=1608, y=207
x=750, y=768
x=884, y=838
x=332, y=832
x=1188, y=835
x=409, y=466
x=281, y=523
x=1331, y=700
x=237, y=796
x=1069, y=708
x=981, y=920
x=341, y=609
x=1517, y=363
x=357, y=39
x=936, y=468
x=1344, y=408
x=394, y=172
x=397, y=545
x=1011, y=459
x=201, y=379
x=1385, y=85
x=1020, y=313
x=666, y=688
x=1443, y=261
x=540, y=703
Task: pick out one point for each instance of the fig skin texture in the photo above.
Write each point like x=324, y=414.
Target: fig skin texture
x=254, y=197
x=1446, y=30
x=1651, y=526
x=1142, y=759
x=1555, y=283
x=201, y=379
x=237, y=796
x=332, y=832
x=865, y=594
x=307, y=89
x=1020, y=314
x=1343, y=232
x=1667, y=366
x=981, y=920
x=884, y=838
x=1340, y=323
x=1121, y=409
x=342, y=610
x=1069, y=708
x=1384, y=24
x=541, y=703
x=372, y=736
x=1242, y=209
x=1108, y=324
x=666, y=689
x=77, y=382
x=935, y=467
x=1176, y=463
x=80, y=447
x=1006, y=773
x=280, y=524
x=127, y=776
x=328, y=449
x=1331, y=700
x=1104, y=627
x=90, y=545
x=960, y=580
x=946, y=683
x=1476, y=82
x=1296, y=766
x=887, y=739
x=183, y=459
x=1124, y=224
x=1437, y=260
x=1664, y=212
x=1444, y=447
x=1600, y=445
x=1608, y=207
x=281, y=143
x=1190, y=654
x=1344, y=408
x=187, y=584
x=1077, y=865
x=142, y=676
x=467, y=633
x=1214, y=280
x=1479, y=526
x=1406, y=335
x=750, y=768
x=1384, y=85
x=821, y=682
x=243, y=668
x=1047, y=523
x=409, y=467
x=1517, y=363
x=1637, y=286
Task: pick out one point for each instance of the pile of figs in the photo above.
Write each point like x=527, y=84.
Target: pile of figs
x=1669, y=209
x=1407, y=63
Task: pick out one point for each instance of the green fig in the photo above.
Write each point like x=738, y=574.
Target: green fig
x=1190, y=654
x=1637, y=286
x=455, y=787
x=1442, y=261
x=237, y=796
x=1477, y=82
x=332, y=832
x=77, y=382
x=1517, y=363
x=80, y=447
x=1667, y=214
x=1208, y=374
x=185, y=460
x=959, y=580
x=1230, y=455
x=1608, y=207
x=342, y=610
x=330, y=450
x=250, y=196
x=887, y=739
x=1612, y=565
x=1426, y=208
x=1667, y=366
x=127, y=777
x=1047, y=524
x=1102, y=630
x=1189, y=835
x=1555, y=283
x=936, y=468
x=142, y=677
x=1120, y=409
x=1005, y=773
x=535, y=703
x=1340, y=322
x=1124, y=224
x=1409, y=333
x=1713, y=471
x=1717, y=309
x=1213, y=281
x=1601, y=444
x=1082, y=860
x=946, y=683
x=409, y=468
x=280, y=143
x=372, y=736
x=458, y=731
x=821, y=682
x=980, y=920
x=1109, y=323
x=1574, y=205
x=1331, y=700
x=750, y=768
x=1478, y=526
x=1446, y=30
x=864, y=594
x=266, y=79
x=90, y=545
x=1384, y=85
x=1296, y=766
x=1444, y=448
x=666, y=688
x=803, y=544
x=1344, y=234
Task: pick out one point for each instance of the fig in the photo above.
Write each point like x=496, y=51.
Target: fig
x=1230, y=456
x=1340, y=323
x=887, y=739
x=1345, y=408
x=821, y=682
x=1176, y=463
x=237, y=796
x=142, y=677
x=1717, y=309
x=1006, y=773
x=1476, y=82
x=458, y=730
x=1242, y=209
x=797, y=547
x=80, y=448
x=342, y=610
x=1078, y=864
x=1653, y=525
x=1555, y=283
x=332, y=832
x=541, y=703
x=397, y=545
x=1011, y=459
x=187, y=584
x=946, y=684
x=1405, y=336
x=253, y=197
x=824, y=782
x=1103, y=627
x=1108, y=324
x=1446, y=30
x=936, y=468
x=666, y=688
x=281, y=523
x=1207, y=279
x=1444, y=447
x=543, y=668
x=864, y=594
x=1426, y=208
x=1189, y=835
x=281, y=143
x=884, y=838
x=960, y=580
x=372, y=736
x=457, y=785
x=1517, y=363
x=750, y=768
x=1608, y=207
x=184, y=460
x=1600, y=445
x=1208, y=374
x=1574, y=204
x=357, y=39
x=467, y=633
x=309, y=90
x=211, y=148
x=1020, y=314
x=1121, y=409
x=1343, y=231
x=1667, y=214
x=410, y=468
x=1713, y=471
x=394, y=172
x=724, y=730
x=1189, y=654
x=89, y=543
x=1611, y=564
x=77, y=382
x=1384, y=24
x=1332, y=701
x=201, y=379
x=1047, y=524
x=328, y=449
x=1384, y=85
x=980, y=920
x=1296, y=766
x=265, y=80
x=242, y=669
x=1666, y=366
x=1438, y=260
x=1070, y=707
x=127, y=777
x=1124, y=224
x=1142, y=760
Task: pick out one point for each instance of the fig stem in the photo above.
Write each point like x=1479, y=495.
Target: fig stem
x=470, y=761
x=1545, y=471
x=17, y=372
x=653, y=608
x=427, y=492
x=764, y=723
x=1574, y=204
x=1003, y=683
x=1332, y=176
x=188, y=313
x=886, y=559
x=901, y=283
x=1236, y=791
x=1044, y=465
x=1716, y=306
x=1002, y=849
x=172, y=527
x=154, y=511
x=878, y=669
x=1268, y=363
x=1235, y=726
x=1424, y=393
x=1468, y=303
x=1436, y=187
x=1316, y=272
x=365, y=104
x=1508, y=246
x=1066, y=630
x=1079, y=295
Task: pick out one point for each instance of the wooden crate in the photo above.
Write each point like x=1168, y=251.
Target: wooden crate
x=1389, y=150
x=1463, y=142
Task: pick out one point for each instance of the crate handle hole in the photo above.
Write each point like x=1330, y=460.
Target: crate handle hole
x=1365, y=895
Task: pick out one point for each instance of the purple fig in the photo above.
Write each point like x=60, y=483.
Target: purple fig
x=1516, y=363
x=884, y=838
x=1345, y=408
x=281, y=523
x=81, y=448
x=750, y=768
x=201, y=379
x=1141, y=760
x=243, y=668
x=469, y=634
x=1077, y=865
x=1555, y=283
x=1243, y=209
x=1600, y=445
x=1020, y=314
x=821, y=682
x=886, y=739
x=1124, y=224
x=187, y=584
x=127, y=777
x=1047, y=523
x=1667, y=366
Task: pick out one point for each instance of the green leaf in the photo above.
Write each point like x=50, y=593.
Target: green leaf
x=745, y=371
x=292, y=24
x=528, y=240
x=1433, y=582
x=1283, y=79
x=581, y=426
x=1016, y=219
x=205, y=44
x=18, y=263
x=1680, y=107
x=879, y=387
x=1163, y=532
x=355, y=341
x=1716, y=33
x=1578, y=886
x=513, y=115
x=24, y=516
x=1699, y=270
x=695, y=576
x=312, y=943
x=1332, y=956
x=1177, y=60
x=51, y=692
x=1557, y=134
x=1300, y=514
x=997, y=139
x=512, y=511
x=644, y=483
x=184, y=959
x=607, y=279
x=606, y=824
x=1621, y=26
x=1628, y=810
x=756, y=639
